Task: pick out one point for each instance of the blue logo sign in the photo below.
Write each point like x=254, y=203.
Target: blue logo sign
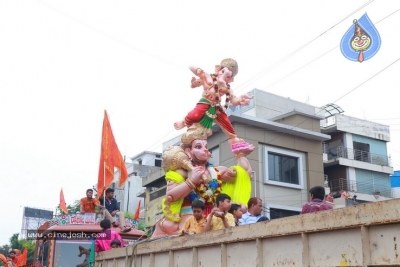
x=361, y=41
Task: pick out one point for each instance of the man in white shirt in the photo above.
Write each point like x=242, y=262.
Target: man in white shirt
x=254, y=211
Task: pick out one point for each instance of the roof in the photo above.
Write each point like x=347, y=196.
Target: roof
x=297, y=112
x=144, y=152
x=276, y=127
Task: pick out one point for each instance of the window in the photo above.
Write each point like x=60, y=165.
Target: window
x=280, y=213
x=283, y=167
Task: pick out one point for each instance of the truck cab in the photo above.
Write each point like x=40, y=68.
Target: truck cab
x=69, y=240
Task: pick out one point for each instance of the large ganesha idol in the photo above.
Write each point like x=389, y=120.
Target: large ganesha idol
x=209, y=108
x=190, y=176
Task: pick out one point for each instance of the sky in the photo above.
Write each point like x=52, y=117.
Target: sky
x=62, y=63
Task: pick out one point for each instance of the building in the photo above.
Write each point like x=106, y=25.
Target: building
x=287, y=161
x=356, y=158
x=132, y=191
x=395, y=184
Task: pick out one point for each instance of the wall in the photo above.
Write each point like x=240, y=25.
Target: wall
x=362, y=127
x=369, y=181
x=375, y=146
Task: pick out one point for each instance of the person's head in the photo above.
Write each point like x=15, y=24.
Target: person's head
x=115, y=243
x=317, y=192
x=105, y=224
x=236, y=211
x=330, y=194
x=255, y=206
x=89, y=193
x=198, y=209
x=223, y=202
x=109, y=193
x=11, y=254
x=243, y=208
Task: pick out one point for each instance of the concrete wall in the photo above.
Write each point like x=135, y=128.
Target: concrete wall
x=363, y=235
x=375, y=146
x=274, y=195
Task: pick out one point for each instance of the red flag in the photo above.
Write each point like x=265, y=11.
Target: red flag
x=63, y=205
x=23, y=257
x=110, y=158
x=137, y=213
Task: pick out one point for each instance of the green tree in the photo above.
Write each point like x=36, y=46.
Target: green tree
x=72, y=208
x=20, y=244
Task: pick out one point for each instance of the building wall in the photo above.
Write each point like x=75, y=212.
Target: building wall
x=395, y=179
x=275, y=196
x=368, y=182
x=375, y=146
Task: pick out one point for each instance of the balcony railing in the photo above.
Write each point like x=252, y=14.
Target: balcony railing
x=369, y=187
x=355, y=154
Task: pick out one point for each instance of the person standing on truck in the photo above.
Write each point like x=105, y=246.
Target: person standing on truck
x=220, y=218
x=104, y=239
x=195, y=223
x=253, y=214
x=112, y=209
x=317, y=194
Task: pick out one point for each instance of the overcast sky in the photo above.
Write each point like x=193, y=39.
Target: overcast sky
x=63, y=62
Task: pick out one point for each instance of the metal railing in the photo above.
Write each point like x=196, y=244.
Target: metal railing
x=368, y=187
x=359, y=155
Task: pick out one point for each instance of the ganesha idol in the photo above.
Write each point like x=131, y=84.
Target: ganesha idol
x=209, y=107
x=190, y=176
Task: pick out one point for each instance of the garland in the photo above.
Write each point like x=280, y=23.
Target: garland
x=210, y=191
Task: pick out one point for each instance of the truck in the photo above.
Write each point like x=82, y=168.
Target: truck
x=362, y=235
x=68, y=240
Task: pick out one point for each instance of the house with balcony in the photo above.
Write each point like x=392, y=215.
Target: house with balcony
x=287, y=161
x=356, y=158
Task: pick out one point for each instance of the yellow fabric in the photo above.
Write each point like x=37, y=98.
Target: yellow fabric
x=172, y=210
x=218, y=224
x=240, y=190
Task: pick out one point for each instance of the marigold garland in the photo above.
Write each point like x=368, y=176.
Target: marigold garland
x=210, y=191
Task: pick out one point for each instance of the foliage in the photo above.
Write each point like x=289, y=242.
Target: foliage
x=20, y=244
x=129, y=215
x=72, y=208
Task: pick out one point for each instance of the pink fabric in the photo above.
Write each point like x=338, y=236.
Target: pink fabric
x=103, y=242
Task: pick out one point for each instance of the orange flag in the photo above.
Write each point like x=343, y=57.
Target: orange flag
x=4, y=260
x=63, y=205
x=23, y=257
x=110, y=158
x=137, y=213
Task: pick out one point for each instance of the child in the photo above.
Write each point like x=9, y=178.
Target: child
x=236, y=211
x=115, y=243
x=103, y=241
x=195, y=223
x=220, y=218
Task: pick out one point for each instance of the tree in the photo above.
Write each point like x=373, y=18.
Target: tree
x=19, y=244
x=72, y=208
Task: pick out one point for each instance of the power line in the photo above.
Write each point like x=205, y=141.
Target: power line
x=303, y=46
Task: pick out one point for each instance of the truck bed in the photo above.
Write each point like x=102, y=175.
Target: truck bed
x=363, y=235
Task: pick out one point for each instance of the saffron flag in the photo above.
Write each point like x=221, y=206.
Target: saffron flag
x=23, y=257
x=137, y=213
x=63, y=205
x=110, y=158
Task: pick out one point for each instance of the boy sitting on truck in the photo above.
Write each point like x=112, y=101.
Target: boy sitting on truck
x=220, y=218
x=195, y=223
